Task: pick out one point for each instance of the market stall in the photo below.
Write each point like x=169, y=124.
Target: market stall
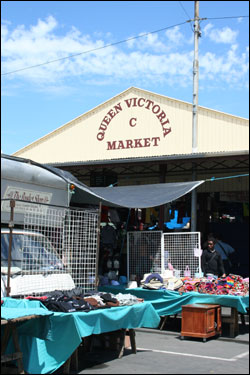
x=47, y=347
x=170, y=302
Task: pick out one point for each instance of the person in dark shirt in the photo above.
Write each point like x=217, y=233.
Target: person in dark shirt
x=211, y=261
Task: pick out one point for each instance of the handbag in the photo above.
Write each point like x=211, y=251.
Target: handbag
x=187, y=272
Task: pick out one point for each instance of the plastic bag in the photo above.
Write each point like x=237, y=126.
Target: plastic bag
x=198, y=273
x=168, y=273
x=187, y=272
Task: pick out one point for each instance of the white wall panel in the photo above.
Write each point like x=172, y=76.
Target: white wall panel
x=135, y=124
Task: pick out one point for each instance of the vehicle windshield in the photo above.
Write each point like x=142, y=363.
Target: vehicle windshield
x=30, y=252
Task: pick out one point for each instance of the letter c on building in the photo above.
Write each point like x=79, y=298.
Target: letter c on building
x=130, y=121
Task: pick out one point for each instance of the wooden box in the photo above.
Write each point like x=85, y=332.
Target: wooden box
x=201, y=320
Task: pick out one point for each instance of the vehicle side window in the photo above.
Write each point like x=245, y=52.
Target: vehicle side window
x=16, y=254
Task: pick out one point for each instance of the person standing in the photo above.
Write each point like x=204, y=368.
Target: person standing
x=211, y=261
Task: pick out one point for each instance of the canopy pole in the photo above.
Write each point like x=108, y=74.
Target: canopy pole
x=11, y=225
x=126, y=231
x=98, y=245
x=194, y=205
x=163, y=172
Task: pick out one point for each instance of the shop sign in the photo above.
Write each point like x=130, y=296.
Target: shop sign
x=148, y=105
x=26, y=196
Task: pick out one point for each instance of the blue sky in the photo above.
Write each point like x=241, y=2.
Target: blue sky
x=38, y=100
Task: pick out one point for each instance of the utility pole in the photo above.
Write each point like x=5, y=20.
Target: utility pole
x=197, y=34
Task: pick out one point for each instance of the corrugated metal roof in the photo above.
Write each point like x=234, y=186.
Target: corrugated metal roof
x=154, y=158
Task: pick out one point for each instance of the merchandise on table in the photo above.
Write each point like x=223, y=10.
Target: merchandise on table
x=75, y=300
x=229, y=285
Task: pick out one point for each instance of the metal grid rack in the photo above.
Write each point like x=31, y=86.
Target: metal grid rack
x=152, y=251
x=144, y=253
x=63, y=241
x=80, y=247
x=182, y=249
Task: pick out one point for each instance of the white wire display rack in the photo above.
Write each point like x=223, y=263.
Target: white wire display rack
x=149, y=252
x=60, y=241
x=182, y=250
x=144, y=253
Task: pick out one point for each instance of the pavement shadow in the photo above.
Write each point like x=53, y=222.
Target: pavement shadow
x=173, y=325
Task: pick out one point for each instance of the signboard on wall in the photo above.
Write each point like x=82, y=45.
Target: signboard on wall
x=131, y=143
x=26, y=196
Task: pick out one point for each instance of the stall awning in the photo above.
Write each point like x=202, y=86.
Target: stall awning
x=143, y=196
x=134, y=196
x=138, y=196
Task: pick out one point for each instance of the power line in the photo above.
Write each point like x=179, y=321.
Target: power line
x=222, y=18
x=185, y=13
x=95, y=49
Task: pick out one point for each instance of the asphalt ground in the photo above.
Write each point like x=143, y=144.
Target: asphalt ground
x=163, y=352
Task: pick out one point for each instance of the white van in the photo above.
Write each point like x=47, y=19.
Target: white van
x=35, y=265
x=38, y=190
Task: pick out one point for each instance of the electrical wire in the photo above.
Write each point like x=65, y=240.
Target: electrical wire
x=184, y=9
x=186, y=14
x=222, y=18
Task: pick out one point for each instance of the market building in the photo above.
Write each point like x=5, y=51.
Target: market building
x=139, y=137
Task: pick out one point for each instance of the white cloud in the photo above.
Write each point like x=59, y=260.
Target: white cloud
x=174, y=35
x=225, y=35
x=230, y=68
x=153, y=57
x=147, y=42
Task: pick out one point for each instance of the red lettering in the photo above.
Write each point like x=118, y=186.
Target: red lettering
x=155, y=139
x=118, y=108
x=146, y=142
x=161, y=116
x=139, y=101
x=157, y=110
x=121, y=145
x=111, y=146
x=166, y=131
x=133, y=143
x=130, y=121
x=166, y=122
x=100, y=136
x=134, y=104
x=128, y=102
x=103, y=127
x=129, y=143
x=149, y=102
x=106, y=120
x=111, y=113
x=138, y=143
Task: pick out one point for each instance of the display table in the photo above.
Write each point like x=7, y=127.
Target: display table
x=10, y=320
x=61, y=337
x=200, y=320
x=168, y=302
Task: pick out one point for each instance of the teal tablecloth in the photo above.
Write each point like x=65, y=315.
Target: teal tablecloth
x=167, y=302
x=41, y=356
